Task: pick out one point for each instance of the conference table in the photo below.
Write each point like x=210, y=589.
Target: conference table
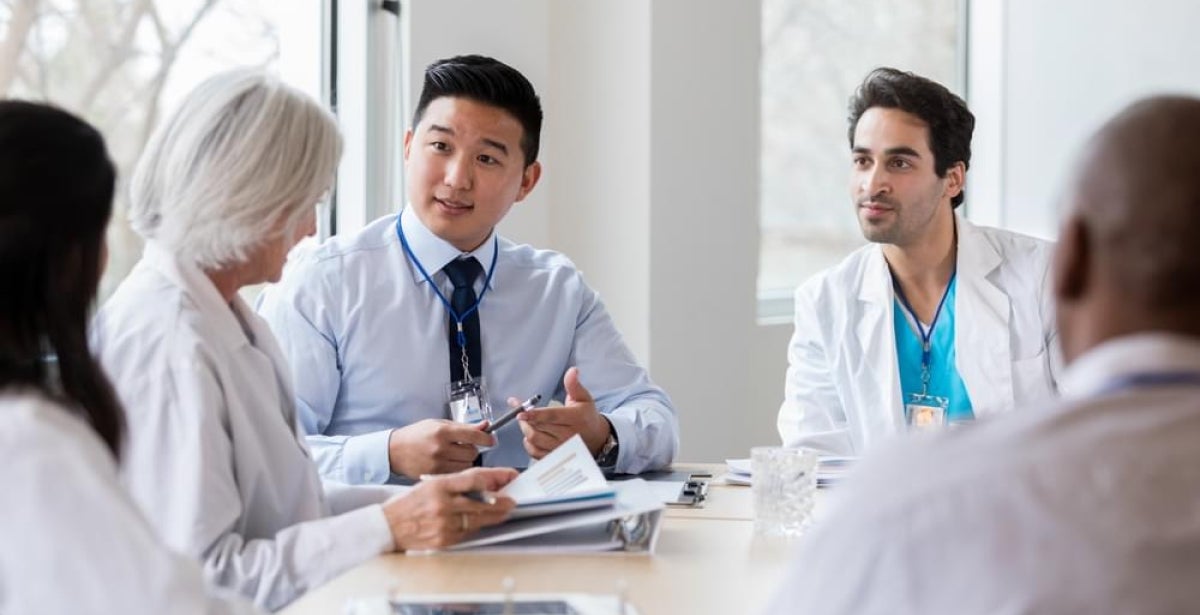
x=707, y=560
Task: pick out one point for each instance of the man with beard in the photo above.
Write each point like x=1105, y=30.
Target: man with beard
x=936, y=321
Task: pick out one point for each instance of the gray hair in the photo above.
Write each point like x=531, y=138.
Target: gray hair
x=244, y=156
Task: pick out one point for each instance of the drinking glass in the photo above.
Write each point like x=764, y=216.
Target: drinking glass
x=784, y=484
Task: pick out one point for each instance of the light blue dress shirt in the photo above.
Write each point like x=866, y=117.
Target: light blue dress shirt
x=366, y=338
x=944, y=379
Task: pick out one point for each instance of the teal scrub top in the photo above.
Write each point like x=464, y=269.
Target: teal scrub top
x=944, y=380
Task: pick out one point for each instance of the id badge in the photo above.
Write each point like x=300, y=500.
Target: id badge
x=926, y=413
x=468, y=401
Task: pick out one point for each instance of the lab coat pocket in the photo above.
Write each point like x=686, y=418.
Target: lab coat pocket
x=1031, y=378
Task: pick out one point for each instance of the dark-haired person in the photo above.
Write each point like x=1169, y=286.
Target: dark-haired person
x=74, y=541
x=1085, y=505
x=225, y=188
x=936, y=320
x=369, y=322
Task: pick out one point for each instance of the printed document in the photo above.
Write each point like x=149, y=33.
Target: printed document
x=566, y=479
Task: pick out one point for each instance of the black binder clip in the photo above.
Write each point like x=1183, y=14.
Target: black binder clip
x=694, y=493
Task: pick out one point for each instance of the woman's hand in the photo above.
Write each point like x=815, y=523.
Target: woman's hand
x=437, y=512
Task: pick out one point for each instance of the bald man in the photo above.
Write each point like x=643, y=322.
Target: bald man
x=1092, y=506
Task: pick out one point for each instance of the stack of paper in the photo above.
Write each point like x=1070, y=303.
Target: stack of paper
x=830, y=470
x=737, y=471
x=580, y=531
x=565, y=505
x=566, y=479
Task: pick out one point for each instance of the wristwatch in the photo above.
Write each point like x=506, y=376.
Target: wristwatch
x=607, y=457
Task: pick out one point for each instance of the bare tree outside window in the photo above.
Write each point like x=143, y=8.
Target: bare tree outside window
x=122, y=65
x=814, y=53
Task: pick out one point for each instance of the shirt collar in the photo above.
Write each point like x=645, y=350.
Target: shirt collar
x=1141, y=353
x=200, y=289
x=435, y=252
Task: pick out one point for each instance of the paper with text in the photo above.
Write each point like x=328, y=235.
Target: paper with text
x=567, y=470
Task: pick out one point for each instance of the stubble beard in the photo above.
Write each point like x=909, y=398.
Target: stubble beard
x=889, y=230
x=881, y=232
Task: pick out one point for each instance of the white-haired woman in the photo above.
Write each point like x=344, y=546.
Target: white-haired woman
x=226, y=188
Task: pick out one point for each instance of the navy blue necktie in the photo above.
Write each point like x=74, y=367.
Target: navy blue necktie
x=462, y=274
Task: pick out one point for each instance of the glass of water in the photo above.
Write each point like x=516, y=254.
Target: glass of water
x=784, y=484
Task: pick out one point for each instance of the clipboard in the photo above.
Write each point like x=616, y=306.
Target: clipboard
x=693, y=486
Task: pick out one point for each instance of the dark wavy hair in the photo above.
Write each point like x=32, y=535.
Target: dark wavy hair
x=490, y=82
x=56, y=189
x=950, y=122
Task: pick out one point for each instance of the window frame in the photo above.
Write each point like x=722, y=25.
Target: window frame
x=363, y=77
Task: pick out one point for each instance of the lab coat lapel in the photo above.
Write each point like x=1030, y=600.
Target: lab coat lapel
x=982, y=313
x=879, y=384
x=270, y=358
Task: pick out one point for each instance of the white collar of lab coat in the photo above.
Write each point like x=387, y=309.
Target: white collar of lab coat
x=1140, y=353
x=976, y=259
x=435, y=252
x=200, y=288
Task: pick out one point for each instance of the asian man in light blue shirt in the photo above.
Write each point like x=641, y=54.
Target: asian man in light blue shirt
x=386, y=330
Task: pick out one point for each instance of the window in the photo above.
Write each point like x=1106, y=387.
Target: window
x=124, y=64
x=814, y=54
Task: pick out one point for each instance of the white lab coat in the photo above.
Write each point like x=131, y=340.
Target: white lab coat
x=214, y=455
x=74, y=542
x=1087, y=506
x=842, y=395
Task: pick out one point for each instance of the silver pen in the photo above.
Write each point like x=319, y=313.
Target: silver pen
x=529, y=404
x=474, y=495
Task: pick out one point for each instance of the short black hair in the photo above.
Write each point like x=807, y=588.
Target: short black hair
x=490, y=82
x=950, y=122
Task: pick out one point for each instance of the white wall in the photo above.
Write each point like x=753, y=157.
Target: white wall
x=1052, y=72
x=597, y=132
x=704, y=228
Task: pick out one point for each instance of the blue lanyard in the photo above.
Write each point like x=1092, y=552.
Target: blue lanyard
x=487, y=283
x=926, y=336
x=1150, y=379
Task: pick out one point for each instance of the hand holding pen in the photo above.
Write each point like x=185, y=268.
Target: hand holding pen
x=529, y=404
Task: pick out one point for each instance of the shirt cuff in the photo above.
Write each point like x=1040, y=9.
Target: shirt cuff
x=626, y=440
x=365, y=458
